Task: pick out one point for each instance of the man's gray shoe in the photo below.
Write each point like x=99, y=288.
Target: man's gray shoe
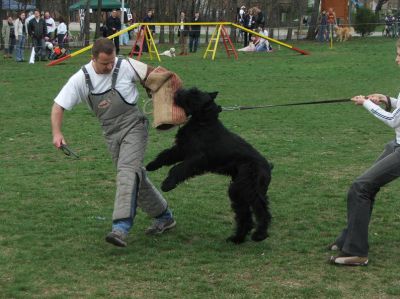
x=117, y=238
x=160, y=226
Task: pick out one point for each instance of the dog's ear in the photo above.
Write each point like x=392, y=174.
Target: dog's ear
x=213, y=95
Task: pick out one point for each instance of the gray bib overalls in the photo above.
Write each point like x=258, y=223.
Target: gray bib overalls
x=125, y=129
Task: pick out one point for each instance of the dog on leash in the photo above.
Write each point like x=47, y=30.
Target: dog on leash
x=204, y=145
x=169, y=53
x=343, y=33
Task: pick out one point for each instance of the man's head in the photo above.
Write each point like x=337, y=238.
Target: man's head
x=114, y=13
x=150, y=13
x=182, y=14
x=196, y=14
x=37, y=13
x=103, y=56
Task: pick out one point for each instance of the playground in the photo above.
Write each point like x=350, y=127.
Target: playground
x=56, y=209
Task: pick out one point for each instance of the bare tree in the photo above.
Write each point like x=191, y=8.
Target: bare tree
x=98, y=18
x=314, y=19
x=87, y=24
x=379, y=5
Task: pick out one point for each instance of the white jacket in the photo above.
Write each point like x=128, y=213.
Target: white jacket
x=18, y=27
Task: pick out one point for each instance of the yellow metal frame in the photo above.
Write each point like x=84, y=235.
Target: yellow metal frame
x=218, y=24
x=151, y=45
x=210, y=43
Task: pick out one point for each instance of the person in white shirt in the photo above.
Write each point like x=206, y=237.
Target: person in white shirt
x=61, y=32
x=51, y=25
x=263, y=44
x=108, y=86
x=353, y=241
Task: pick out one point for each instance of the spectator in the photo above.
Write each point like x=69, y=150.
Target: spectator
x=249, y=23
x=322, y=29
x=194, y=33
x=113, y=26
x=240, y=21
x=259, y=17
x=20, y=36
x=8, y=32
x=263, y=44
x=50, y=25
x=148, y=19
x=61, y=32
x=183, y=33
x=37, y=30
x=331, y=21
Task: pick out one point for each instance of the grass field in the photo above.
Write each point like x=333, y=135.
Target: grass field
x=55, y=210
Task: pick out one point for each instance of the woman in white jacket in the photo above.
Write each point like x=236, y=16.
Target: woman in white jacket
x=20, y=36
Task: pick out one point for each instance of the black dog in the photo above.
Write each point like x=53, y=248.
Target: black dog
x=203, y=145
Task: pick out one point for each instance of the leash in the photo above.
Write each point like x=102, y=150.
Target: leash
x=67, y=151
x=239, y=108
x=388, y=105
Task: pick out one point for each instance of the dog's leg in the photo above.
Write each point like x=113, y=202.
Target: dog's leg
x=188, y=168
x=167, y=157
x=263, y=217
x=241, y=208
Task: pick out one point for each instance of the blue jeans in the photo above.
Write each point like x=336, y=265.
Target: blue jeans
x=322, y=33
x=193, y=43
x=19, y=51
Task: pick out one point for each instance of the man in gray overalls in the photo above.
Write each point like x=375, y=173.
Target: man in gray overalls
x=108, y=85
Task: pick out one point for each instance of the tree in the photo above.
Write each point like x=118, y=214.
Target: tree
x=98, y=18
x=365, y=21
x=379, y=5
x=314, y=19
x=87, y=24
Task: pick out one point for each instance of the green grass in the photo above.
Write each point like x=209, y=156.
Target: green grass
x=55, y=211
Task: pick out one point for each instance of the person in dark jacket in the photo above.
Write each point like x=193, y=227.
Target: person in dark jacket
x=249, y=23
x=113, y=26
x=183, y=31
x=37, y=30
x=194, y=33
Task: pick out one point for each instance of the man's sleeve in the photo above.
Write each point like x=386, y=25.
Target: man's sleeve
x=74, y=92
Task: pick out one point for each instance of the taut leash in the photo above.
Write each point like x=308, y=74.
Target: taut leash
x=233, y=108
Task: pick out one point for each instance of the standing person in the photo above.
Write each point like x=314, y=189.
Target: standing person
x=50, y=25
x=240, y=20
x=9, y=37
x=37, y=30
x=183, y=31
x=194, y=33
x=323, y=23
x=20, y=36
x=148, y=19
x=353, y=241
x=61, y=32
x=249, y=23
x=108, y=85
x=331, y=20
x=113, y=26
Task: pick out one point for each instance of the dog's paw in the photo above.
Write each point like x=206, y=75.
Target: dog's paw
x=168, y=184
x=259, y=236
x=152, y=166
x=235, y=239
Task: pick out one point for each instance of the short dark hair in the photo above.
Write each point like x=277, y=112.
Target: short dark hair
x=103, y=45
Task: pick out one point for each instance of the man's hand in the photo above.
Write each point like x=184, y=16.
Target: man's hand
x=378, y=98
x=58, y=139
x=359, y=100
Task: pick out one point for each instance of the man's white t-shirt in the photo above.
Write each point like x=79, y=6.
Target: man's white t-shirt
x=76, y=90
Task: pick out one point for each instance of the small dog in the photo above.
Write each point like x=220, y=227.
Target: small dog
x=169, y=53
x=204, y=145
x=343, y=33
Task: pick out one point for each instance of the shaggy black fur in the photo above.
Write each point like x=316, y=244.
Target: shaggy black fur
x=203, y=145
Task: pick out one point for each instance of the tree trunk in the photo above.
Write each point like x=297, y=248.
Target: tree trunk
x=314, y=19
x=87, y=24
x=2, y=17
x=98, y=18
